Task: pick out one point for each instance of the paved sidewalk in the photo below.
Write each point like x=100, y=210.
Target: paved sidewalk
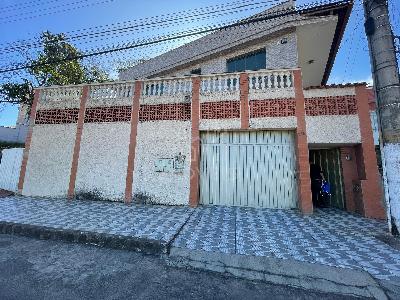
x=155, y=223
x=329, y=237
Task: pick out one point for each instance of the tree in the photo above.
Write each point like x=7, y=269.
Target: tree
x=53, y=65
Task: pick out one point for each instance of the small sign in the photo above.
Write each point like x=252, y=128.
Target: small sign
x=167, y=165
x=164, y=165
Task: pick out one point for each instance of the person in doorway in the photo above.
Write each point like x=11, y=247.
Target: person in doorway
x=317, y=176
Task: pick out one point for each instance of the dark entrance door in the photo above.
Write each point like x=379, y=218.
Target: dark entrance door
x=329, y=161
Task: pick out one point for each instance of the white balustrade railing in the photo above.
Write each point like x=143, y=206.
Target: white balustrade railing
x=264, y=84
x=168, y=87
x=270, y=80
x=60, y=94
x=219, y=84
x=111, y=91
x=59, y=97
x=271, y=84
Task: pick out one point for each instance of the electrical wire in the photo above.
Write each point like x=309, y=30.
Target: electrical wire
x=141, y=23
x=159, y=39
x=34, y=16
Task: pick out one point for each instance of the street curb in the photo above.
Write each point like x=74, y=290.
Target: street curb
x=281, y=271
x=105, y=240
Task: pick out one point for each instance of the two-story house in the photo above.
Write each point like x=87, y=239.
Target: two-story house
x=233, y=118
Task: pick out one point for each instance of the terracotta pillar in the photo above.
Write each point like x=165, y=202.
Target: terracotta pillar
x=132, y=141
x=195, y=145
x=244, y=100
x=349, y=171
x=370, y=181
x=78, y=138
x=28, y=141
x=303, y=165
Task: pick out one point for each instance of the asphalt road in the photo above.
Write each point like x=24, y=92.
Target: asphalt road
x=39, y=269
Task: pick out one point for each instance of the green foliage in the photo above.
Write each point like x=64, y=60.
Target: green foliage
x=52, y=66
x=17, y=93
x=8, y=145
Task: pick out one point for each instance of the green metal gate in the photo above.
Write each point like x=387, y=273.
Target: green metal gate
x=329, y=161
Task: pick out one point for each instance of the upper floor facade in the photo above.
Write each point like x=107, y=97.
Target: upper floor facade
x=282, y=37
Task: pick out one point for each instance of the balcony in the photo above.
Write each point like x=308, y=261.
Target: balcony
x=264, y=84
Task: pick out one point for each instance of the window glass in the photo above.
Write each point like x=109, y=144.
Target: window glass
x=252, y=61
x=196, y=71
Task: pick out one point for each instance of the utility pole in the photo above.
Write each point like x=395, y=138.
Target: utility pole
x=387, y=90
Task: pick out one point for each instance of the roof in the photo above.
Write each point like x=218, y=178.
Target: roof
x=332, y=86
x=276, y=19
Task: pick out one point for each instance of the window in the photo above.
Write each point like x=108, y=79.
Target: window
x=196, y=72
x=251, y=61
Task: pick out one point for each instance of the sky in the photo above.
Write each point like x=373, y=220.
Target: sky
x=25, y=19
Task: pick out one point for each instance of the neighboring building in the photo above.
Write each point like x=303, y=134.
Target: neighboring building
x=16, y=134
x=233, y=121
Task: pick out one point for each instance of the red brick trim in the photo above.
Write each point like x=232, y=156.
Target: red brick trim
x=332, y=105
x=77, y=147
x=370, y=187
x=272, y=108
x=195, y=151
x=132, y=141
x=28, y=141
x=108, y=114
x=303, y=166
x=244, y=101
x=170, y=111
x=220, y=110
x=57, y=116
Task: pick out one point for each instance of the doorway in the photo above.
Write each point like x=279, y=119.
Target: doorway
x=330, y=164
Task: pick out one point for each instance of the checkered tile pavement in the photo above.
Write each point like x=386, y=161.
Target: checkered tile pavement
x=151, y=222
x=330, y=237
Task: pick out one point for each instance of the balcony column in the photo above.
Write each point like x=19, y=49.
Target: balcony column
x=244, y=100
x=195, y=145
x=303, y=165
x=132, y=141
x=28, y=141
x=77, y=146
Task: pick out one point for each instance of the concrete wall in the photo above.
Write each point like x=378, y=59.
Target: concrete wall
x=162, y=139
x=333, y=129
x=164, y=131
x=50, y=158
x=273, y=123
x=103, y=160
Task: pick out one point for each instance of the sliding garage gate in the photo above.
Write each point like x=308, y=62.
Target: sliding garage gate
x=253, y=168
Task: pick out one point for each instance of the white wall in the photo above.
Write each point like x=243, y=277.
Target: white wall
x=333, y=129
x=50, y=158
x=162, y=139
x=278, y=56
x=10, y=167
x=273, y=123
x=103, y=159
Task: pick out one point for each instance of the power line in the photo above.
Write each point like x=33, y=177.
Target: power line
x=25, y=4
x=8, y=58
x=350, y=53
x=55, y=11
x=274, y=15
x=20, y=8
x=145, y=23
x=103, y=47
